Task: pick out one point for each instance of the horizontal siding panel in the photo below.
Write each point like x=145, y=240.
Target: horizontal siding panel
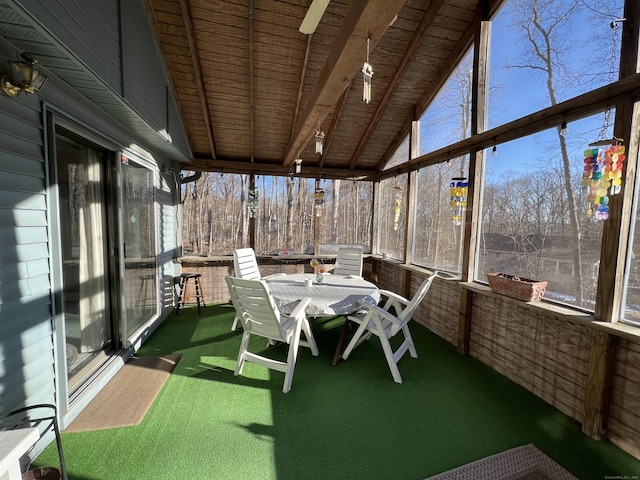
x=24, y=166
x=21, y=313
x=24, y=253
x=27, y=354
x=9, y=272
x=44, y=381
x=27, y=325
x=22, y=235
x=18, y=200
x=18, y=146
x=21, y=183
x=26, y=218
x=37, y=286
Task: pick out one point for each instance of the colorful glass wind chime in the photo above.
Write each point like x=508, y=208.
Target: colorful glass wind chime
x=252, y=202
x=602, y=176
x=458, y=189
x=604, y=159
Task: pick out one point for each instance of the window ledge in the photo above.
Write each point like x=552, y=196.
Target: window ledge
x=561, y=313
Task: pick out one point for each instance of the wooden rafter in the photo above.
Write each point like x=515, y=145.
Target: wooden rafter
x=427, y=20
x=430, y=93
x=332, y=127
x=195, y=59
x=364, y=19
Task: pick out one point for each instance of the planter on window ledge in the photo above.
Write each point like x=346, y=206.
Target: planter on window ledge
x=520, y=288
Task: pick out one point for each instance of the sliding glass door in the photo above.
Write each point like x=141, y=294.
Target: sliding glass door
x=81, y=197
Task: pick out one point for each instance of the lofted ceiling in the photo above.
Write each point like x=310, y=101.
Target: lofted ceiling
x=253, y=90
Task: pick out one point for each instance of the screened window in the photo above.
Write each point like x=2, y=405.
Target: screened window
x=392, y=207
x=631, y=304
x=347, y=214
x=582, y=54
x=441, y=192
x=535, y=219
x=448, y=118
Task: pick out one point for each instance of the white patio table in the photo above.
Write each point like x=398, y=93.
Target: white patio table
x=335, y=295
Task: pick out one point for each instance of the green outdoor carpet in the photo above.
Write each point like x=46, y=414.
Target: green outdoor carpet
x=349, y=421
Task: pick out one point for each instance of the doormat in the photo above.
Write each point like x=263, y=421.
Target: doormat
x=521, y=463
x=124, y=401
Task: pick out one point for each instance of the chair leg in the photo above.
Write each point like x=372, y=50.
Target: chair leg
x=292, y=357
x=409, y=340
x=357, y=338
x=310, y=340
x=244, y=344
x=236, y=320
x=388, y=353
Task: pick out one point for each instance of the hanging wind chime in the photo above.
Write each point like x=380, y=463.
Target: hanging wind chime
x=604, y=159
x=458, y=189
x=252, y=202
x=397, y=206
x=319, y=201
x=367, y=73
x=602, y=176
x=319, y=141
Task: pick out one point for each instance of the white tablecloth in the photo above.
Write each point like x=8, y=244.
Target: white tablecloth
x=336, y=295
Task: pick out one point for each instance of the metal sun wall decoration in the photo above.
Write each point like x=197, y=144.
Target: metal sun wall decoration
x=458, y=189
x=252, y=202
x=602, y=177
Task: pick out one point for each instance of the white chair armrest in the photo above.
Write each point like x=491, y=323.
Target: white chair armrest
x=376, y=310
x=300, y=307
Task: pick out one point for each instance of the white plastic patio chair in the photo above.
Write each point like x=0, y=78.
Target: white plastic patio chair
x=260, y=316
x=245, y=265
x=379, y=321
x=348, y=262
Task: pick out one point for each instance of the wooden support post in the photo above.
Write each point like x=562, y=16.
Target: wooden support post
x=598, y=387
x=316, y=224
x=406, y=284
x=464, y=320
x=252, y=220
x=476, y=173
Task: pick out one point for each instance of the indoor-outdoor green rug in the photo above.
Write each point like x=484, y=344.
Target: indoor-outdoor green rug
x=349, y=421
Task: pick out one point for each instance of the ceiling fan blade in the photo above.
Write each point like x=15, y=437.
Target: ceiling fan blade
x=313, y=16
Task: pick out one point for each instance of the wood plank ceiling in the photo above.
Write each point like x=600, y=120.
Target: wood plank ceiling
x=253, y=90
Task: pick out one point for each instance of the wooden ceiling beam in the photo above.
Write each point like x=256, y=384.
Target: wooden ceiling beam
x=427, y=20
x=332, y=127
x=195, y=60
x=276, y=169
x=364, y=19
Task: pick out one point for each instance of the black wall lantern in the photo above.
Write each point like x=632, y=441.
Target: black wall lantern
x=22, y=77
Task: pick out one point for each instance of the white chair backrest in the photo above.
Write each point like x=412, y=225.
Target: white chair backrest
x=409, y=310
x=245, y=264
x=348, y=261
x=256, y=308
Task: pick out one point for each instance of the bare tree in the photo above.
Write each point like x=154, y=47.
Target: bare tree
x=544, y=24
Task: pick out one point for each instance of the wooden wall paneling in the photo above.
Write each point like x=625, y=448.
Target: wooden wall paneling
x=623, y=425
x=597, y=388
